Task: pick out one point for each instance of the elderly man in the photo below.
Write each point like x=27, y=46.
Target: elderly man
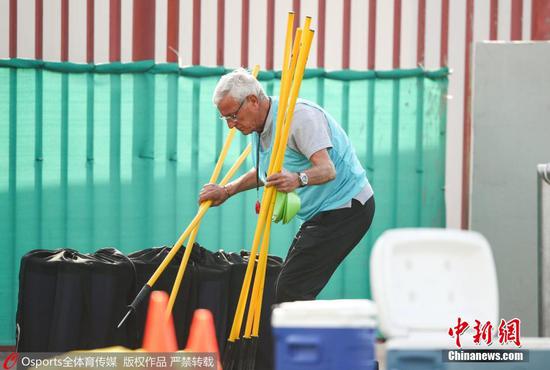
x=320, y=164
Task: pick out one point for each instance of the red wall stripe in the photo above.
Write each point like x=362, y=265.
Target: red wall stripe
x=13, y=28
x=421, y=33
x=172, y=31
x=196, y=52
x=321, y=25
x=220, y=37
x=540, y=20
x=396, y=34
x=346, y=34
x=143, y=39
x=38, y=29
x=493, y=26
x=64, y=30
x=245, y=26
x=296, y=10
x=444, y=49
x=371, y=57
x=467, y=135
x=270, y=35
x=517, y=17
x=89, y=31
x=114, y=30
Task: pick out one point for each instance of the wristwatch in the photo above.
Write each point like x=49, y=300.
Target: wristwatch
x=303, y=179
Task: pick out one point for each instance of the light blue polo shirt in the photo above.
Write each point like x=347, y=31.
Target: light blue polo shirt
x=350, y=182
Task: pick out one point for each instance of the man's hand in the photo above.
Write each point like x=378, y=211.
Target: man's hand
x=321, y=171
x=284, y=181
x=216, y=193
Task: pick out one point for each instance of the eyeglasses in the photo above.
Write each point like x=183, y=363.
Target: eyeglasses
x=233, y=116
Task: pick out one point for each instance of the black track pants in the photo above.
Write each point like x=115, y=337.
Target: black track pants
x=319, y=247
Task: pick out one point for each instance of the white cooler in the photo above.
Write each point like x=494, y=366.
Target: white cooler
x=422, y=281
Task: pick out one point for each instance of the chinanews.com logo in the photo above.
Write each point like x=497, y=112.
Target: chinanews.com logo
x=10, y=361
x=485, y=333
x=508, y=332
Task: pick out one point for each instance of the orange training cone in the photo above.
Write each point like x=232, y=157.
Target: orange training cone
x=159, y=335
x=202, y=334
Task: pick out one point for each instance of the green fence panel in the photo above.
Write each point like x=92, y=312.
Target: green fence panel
x=115, y=155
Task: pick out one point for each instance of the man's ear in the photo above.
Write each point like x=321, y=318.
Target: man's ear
x=253, y=99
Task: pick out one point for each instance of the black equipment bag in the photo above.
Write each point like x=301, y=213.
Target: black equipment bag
x=70, y=300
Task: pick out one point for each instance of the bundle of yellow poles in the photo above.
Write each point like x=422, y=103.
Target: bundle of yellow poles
x=292, y=73
x=191, y=230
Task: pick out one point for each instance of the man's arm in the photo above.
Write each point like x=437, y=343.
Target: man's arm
x=243, y=183
x=219, y=194
x=321, y=171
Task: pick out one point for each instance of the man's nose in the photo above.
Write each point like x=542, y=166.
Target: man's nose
x=231, y=123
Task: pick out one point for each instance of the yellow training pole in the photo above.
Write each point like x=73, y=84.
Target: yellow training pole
x=223, y=154
x=243, y=297
x=259, y=281
x=284, y=87
x=294, y=59
x=236, y=166
x=300, y=68
x=255, y=70
x=181, y=271
x=191, y=241
x=260, y=276
x=256, y=298
x=268, y=194
x=289, y=72
x=266, y=197
x=261, y=269
x=287, y=77
x=198, y=217
x=307, y=23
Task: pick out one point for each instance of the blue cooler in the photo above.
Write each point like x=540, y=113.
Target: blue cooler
x=325, y=335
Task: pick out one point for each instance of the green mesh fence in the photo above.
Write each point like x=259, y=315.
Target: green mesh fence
x=115, y=155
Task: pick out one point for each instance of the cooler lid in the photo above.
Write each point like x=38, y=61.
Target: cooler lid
x=338, y=313
x=423, y=280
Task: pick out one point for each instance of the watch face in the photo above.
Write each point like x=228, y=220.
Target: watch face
x=303, y=178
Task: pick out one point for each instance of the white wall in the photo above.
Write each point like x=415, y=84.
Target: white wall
x=511, y=139
x=333, y=48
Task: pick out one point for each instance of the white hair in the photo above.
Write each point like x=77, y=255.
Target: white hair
x=238, y=84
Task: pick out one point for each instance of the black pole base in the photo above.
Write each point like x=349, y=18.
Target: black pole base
x=143, y=293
